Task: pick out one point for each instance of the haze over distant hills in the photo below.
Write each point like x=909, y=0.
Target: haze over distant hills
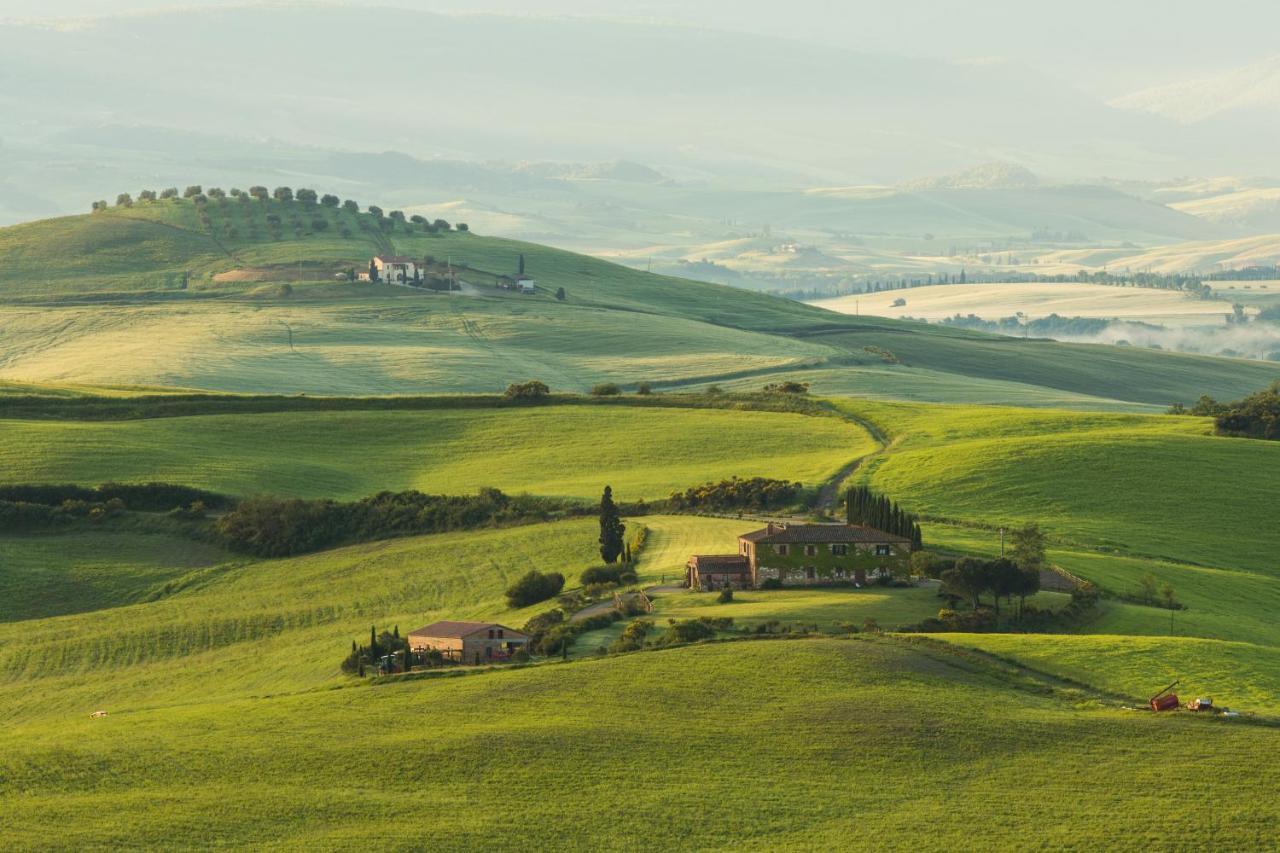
x=570, y=89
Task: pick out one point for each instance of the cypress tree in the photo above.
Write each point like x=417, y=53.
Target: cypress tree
x=373, y=641
x=611, y=528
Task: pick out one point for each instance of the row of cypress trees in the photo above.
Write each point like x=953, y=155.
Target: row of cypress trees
x=872, y=509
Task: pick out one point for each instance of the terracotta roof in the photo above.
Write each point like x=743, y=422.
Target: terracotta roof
x=723, y=563
x=457, y=630
x=820, y=534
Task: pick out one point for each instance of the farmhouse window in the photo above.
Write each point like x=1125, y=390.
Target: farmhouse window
x=782, y=549
x=840, y=550
x=810, y=573
x=500, y=634
x=811, y=550
x=490, y=633
x=883, y=551
x=839, y=573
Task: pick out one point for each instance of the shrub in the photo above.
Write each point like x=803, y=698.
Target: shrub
x=612, y=574
x=725, y=596
x=771, y=583
x=758, y=493
x=787, y=388
x=527, y=391
x=605, y=389
x=693, y=630
x=644, y=389
x=633, y=636
x=534, y=587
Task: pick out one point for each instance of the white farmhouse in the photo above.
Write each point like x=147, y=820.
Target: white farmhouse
x=395, y=268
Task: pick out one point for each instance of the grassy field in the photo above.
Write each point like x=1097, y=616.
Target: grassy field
x=552, y=450
x=381, y=341
x=1068, y=299
x=637, y=751
x=1153, y=486
x=231, y=725
x=45, y=575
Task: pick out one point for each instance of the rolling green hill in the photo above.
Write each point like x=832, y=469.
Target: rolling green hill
x=550, y=450
x=168, y=294
x=230, y=723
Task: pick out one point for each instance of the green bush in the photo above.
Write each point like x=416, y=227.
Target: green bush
x=725, y=596
x=735, y=493
x=534, y=587
x=771, y=583
x=605, y=389
x=527, y=391
x=633, y=636
x=612, y=575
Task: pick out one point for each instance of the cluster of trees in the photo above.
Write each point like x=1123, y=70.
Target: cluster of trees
x=1256, y=416
x=788, y=387
x=866, y=507
x=25, y=517
x=534, y=587
x=305, y=196
x=850, y=286
x=735, y=493
x=139, y=497
x=970, y=579
x=1041, y=327
x=380, y=645
x=532, y=390
x=27, y=507
x=273, y=527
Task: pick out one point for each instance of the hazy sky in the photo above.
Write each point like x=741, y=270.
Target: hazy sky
x=1110, y=47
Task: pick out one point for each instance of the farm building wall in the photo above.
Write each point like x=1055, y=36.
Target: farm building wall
x=816, y=564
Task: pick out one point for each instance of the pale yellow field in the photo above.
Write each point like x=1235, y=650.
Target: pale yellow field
x=993, y=301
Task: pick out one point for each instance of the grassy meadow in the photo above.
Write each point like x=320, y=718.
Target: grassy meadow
x=569, y=451
x=231, y=724
x=638, y=751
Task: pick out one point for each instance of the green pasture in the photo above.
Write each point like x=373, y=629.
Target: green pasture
x=1159, y=487
x=550, y=450
x=643, y=750
x=53, y=574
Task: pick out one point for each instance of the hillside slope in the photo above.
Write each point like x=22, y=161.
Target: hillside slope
x=177, y=294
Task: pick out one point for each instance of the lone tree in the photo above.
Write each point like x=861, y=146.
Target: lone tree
x=611, y=528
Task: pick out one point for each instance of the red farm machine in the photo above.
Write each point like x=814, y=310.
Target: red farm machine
x=1164, y=700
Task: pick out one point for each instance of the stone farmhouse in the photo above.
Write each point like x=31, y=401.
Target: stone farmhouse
x=802, y=555
x=468, y=642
